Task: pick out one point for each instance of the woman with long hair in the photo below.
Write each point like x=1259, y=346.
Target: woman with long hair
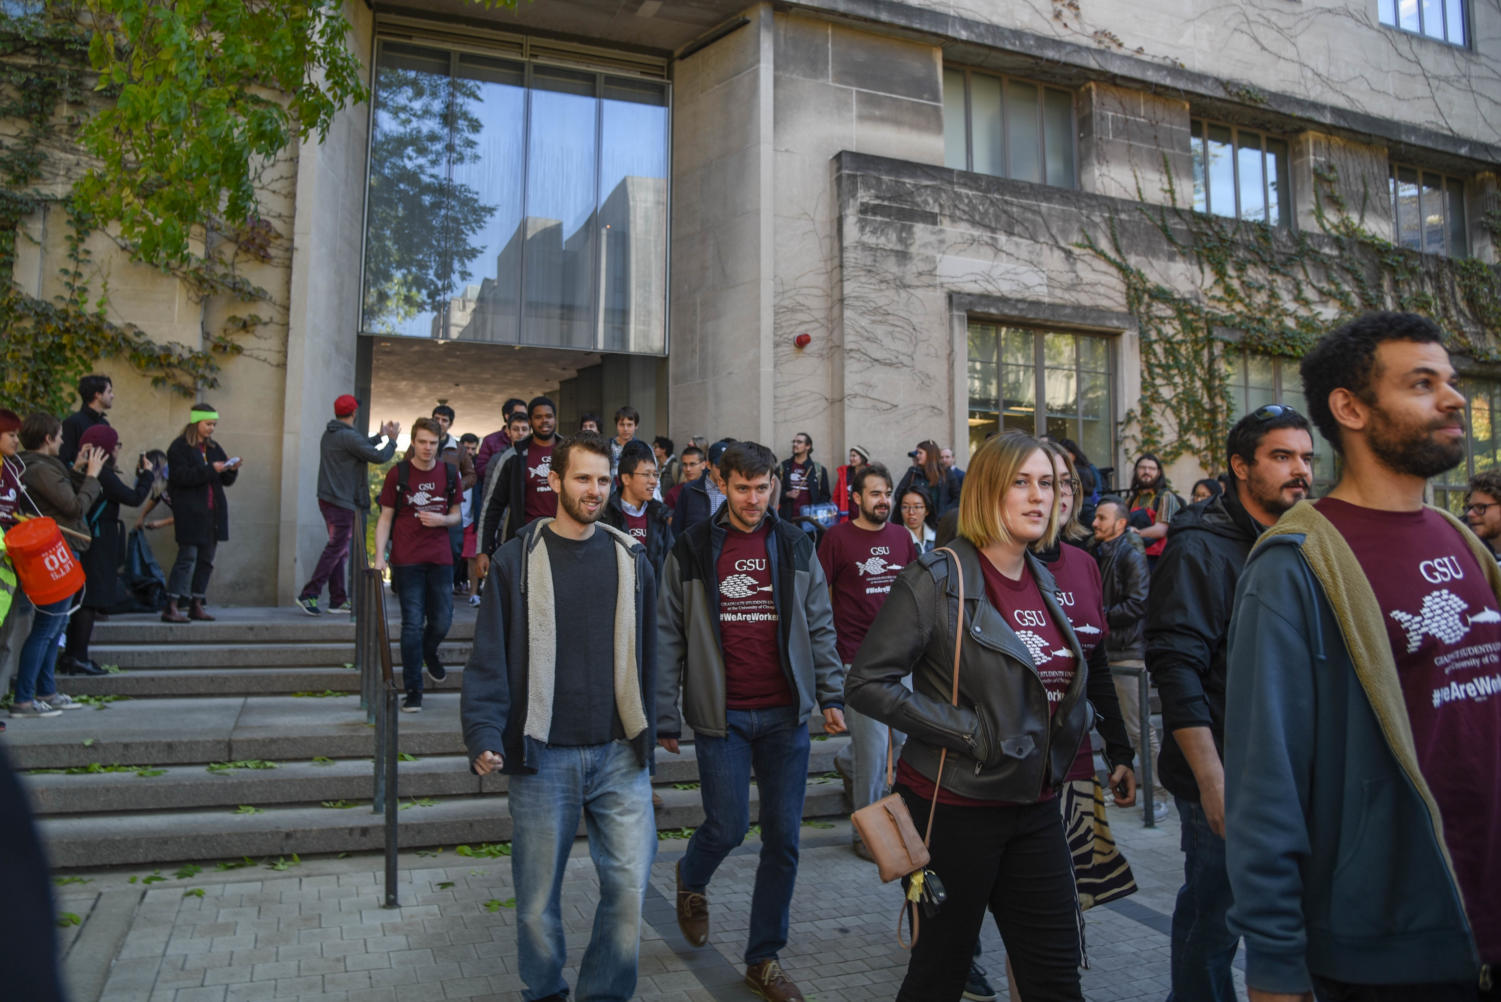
x=993, y=763
x=928, y=473
x=198, y=470
x=101, y=561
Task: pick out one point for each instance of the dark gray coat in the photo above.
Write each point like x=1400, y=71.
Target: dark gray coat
x=343, y=477
x=1124, y=578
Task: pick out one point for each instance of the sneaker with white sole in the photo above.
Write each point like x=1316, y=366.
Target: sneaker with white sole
x=343, y=607
x=60, y=701
x=474, y=601
x=309, y=606
x=412, y=703
x=35, y=708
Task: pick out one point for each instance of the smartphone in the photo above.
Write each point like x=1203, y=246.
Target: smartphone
x=233, y=462
x=1122, y=790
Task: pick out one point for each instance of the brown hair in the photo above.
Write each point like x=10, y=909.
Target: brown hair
x=584, y=441
x=991, y=470
x=37, y=428
x=1071, y=528
x=931, y=467
x=429, y=425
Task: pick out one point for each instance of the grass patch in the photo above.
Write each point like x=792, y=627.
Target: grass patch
x=283, y=864
x=406, y=757
x=100, y=702
x=812, y=823
x=338, y=805
x=241, y=763
x=247, y=809
x=685, y=786
x=234, y=864
x=444, y=885
x=193, y=892
x=665, y=834
x=322, y=760
x=420, y=802
x=485, y=850
x=495, y=904
x=326, y=693
x=98, y=768
x=187, y=870
x=66, y=919
x=65, y=881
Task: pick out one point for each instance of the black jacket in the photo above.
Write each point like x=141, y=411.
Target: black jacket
x=74, y=425
x=191, y=477
x=505, y=510
x=1188, y=624
x=1004, y=742
x=817, y=485
x=497, y=678
x=658, y=528
x=693, y=505
x=1124, y=578
x=944, y=494
x=102, y=560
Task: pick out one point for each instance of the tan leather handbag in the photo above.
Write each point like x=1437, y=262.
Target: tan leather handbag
x=886, y=826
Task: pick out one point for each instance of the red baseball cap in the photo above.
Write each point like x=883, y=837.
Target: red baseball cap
x=345, y=406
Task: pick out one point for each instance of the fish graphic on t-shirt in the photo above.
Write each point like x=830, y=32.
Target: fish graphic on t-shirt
x=875, y=565
x=420, y=498
x=542, y=469
x=1085, y=628
x=740, y=586
x=1485, y=616
x=1439, y=617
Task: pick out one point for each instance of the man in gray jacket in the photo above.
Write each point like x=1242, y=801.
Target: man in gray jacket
x=343, y=487
x=746, y=629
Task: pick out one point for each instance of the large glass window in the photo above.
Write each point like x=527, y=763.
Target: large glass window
x=1262, y=379
x=1428, y=211
x=1042, y=382
x=1241, y=174
x=1011, y=128
x=515, y=202
x=1441, y=19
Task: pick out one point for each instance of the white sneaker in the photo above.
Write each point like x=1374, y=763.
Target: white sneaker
x=62, y=701
x=474, y=601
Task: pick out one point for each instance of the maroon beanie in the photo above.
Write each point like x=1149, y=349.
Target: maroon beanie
x=101, y=435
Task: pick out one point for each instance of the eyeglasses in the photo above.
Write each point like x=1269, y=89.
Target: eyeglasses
x=910, y=508
x=1068, y=486
x=1270, y=412
x=646, y=476
x=1479, y=509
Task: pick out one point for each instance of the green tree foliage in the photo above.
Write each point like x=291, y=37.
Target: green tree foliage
x=151, y=122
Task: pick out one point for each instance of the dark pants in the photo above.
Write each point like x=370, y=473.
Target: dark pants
x=191, y=570
x=1203, y=945
x=426, y=594
x=1015, y=862
x=333, y=563
x=80, y=632
x=1327, y=990
x=773, y=746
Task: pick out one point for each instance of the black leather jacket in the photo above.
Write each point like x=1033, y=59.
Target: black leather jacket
x=1124, y=579
x=1003, y=742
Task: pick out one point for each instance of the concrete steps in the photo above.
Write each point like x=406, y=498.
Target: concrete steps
x=141, y=790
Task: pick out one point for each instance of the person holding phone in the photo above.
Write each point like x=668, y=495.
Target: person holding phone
x=198, y=471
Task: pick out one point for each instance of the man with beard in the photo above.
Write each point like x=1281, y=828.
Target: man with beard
x=1189, y=602
x=556, y=696
x=522, y=492
x=1483, y=508
x=1151, y=505
x=745, y=628
x=1363, y=740
x=860, y=559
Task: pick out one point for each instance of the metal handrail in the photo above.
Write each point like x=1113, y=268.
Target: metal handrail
x=378, y=687
x=1144, y=735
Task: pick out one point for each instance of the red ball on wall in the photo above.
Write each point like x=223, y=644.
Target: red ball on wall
x=803, y=340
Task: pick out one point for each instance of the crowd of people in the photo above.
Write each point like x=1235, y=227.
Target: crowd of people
x=74, y=471
x=1329, y=670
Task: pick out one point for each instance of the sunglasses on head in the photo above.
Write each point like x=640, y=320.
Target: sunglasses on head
x=1270, y=412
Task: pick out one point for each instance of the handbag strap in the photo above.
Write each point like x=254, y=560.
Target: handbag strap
x=954, y=697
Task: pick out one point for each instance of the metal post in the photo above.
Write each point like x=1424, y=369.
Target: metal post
x=1146, y=748
x=392, y=796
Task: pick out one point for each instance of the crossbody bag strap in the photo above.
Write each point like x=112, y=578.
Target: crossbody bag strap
x=954, y=698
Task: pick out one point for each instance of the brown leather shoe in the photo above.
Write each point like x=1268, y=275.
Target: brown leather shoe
x=196, y=611
x=693, y=913
x=768, y=980
x=170, y=613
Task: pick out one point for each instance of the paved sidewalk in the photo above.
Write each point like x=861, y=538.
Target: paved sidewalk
x=316, y=930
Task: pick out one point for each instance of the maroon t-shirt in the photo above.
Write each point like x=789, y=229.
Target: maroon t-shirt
x=753, y=676
x=860, y=565
x=1444, y=625
x=1083, y=599
x=541, y=502
x=1020, y=604
x=10, y=493
x=796, y=487
x=411, y=541
x=635, y=525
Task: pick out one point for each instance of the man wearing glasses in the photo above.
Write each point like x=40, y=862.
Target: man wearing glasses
x=1483, y=508
x=634, y=511
x=1189, y=601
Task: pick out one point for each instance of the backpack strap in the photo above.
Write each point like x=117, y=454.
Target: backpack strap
x=403, y=475
x=451, y=488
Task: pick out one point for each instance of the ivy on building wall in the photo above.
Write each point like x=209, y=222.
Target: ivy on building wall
x=1272, y=291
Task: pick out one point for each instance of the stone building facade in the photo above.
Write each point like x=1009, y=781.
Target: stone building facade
x=906, y=181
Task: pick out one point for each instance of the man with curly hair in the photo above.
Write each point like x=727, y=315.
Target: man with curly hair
x=1482, y=510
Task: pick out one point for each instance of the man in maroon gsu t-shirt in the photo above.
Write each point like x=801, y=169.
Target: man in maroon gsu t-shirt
x=746, y=633
x=417, y=505
x=861, y=559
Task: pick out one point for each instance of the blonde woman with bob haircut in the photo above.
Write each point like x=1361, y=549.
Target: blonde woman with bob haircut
x=997, y=836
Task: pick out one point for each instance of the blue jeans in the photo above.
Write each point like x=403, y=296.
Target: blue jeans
x=1203, y=946
x=613, y=791
x=190, y=571
x=426, y=593
x=774, y=745
x=39, y=652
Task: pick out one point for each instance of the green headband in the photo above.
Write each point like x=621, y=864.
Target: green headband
x=195, y=415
